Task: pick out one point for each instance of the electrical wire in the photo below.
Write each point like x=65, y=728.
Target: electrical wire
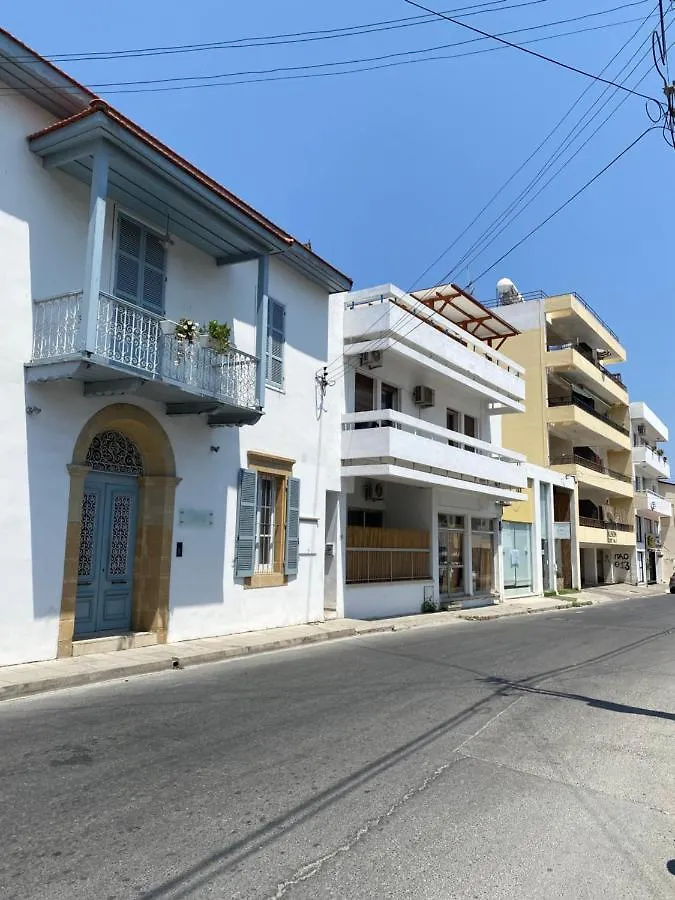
x=357, y=60
x=537, y=149
x=312, y=75
x=287, y=37
x=534, y=53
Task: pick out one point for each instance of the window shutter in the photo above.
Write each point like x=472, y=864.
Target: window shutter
x=154, y=266
x=246, y=525
x=292, y=526
x=128, y=275
x=276, y=338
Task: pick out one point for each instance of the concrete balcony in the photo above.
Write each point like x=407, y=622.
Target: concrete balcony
x=649, y=463
x=575, y=367
x=395, y=323
x=388, y=445
x=578, y=424
x=652, y=505
x=594, y=475
x=132, y=354
x=604, y=534
x=575, y=320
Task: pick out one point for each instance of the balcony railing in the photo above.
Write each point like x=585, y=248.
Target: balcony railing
x=129, y=338
x=573, y=459
x=574, y=345
x=541, y=295
x=573, y=401
x=606, y=526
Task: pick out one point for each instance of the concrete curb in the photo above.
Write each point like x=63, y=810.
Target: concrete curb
x=113, y=667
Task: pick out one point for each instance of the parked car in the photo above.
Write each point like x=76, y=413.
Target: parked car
x=672, y=583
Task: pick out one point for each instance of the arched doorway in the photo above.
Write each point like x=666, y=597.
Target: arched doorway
x=108, y=536
x=120, y=524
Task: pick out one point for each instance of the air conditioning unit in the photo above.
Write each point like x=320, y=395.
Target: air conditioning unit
x=642, y=429
x=372, y=359
x=373, y=490
x=423, y=396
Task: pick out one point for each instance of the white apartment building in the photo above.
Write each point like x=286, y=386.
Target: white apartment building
x=652, y=508
x=157, y=483
x=424, y=473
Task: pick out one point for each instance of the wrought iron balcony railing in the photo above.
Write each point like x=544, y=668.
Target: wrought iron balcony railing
x=573, y=459
x=131, y=339
x=608, y=526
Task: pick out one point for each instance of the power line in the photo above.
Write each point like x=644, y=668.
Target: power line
x=566, y=203
x=509, y=215
x=561, y=147
x=290, y=37
x=358, y=60
x=312, y=75
x=541, y=145
x=534, y=53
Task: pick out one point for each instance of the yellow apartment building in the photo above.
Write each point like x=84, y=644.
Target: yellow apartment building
x=576, y=423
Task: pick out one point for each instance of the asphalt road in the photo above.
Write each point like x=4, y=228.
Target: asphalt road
x=531, y=757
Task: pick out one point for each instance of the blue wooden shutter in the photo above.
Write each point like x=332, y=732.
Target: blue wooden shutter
x=292, y=526
x=276, y=338
x=129, y=250
x=246, y=524
x=154, y=266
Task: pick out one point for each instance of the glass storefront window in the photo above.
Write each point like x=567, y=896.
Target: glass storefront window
x=451, y=554
x=482, y=555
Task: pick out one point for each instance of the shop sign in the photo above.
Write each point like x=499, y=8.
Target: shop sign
x=562, y=531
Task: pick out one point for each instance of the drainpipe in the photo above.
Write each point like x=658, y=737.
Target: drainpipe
x=262, y=302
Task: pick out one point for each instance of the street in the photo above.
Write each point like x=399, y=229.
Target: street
x=528, y=758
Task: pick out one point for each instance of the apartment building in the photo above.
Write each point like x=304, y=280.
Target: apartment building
x=160, y=480
x=576, y=423
x=653, y=509
x=424, y=475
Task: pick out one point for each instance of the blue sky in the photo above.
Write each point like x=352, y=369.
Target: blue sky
x=383, y=169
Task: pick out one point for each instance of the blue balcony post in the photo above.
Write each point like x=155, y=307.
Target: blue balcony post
x=94, y=257
x=262, y=303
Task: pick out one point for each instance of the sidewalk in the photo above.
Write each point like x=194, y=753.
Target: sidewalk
x=39, y=677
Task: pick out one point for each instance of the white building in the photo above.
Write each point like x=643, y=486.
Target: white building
x=128, y=508
x=652, y=509
x=424, y=472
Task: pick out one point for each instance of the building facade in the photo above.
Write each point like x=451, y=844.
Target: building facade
x=577, y=422
x=652, y=508
x=425, y=477
x=161, y=481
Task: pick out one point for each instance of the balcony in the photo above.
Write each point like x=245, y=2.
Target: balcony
x=132, y=355
x=599, y=533
x=390, y=445
x=573, y=319
x=652, y=505
x=649, y=462
x=392, y=322
x=566, y=359
x=580, y=424
x=593, y=474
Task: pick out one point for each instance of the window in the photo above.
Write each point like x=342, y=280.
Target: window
x=470, y=426
x=365, y=518
x=364, y=392
x=452, y=423
x=141, y=266
x=276, y=339
x=638, y=530
x=268, y=522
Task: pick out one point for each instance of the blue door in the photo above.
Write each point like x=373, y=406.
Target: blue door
x=106, y=561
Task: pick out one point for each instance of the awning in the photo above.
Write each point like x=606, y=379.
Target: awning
x=459, y=307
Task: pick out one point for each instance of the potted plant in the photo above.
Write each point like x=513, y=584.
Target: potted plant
x=187, y=330
x=216, y=336
x=659, y=451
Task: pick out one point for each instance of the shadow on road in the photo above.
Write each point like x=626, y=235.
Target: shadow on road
x=591, y=701
x=185, y=883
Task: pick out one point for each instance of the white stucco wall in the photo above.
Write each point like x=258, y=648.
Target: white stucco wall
x=48, y=212
x=377, y=601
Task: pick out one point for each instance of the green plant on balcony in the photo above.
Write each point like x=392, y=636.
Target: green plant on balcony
x=187, y=330
x=216, y=336
x=659, y=451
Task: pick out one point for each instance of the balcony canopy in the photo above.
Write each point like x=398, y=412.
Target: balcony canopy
x=458, y=306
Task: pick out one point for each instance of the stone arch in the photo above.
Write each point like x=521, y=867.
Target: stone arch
x=157, y=489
